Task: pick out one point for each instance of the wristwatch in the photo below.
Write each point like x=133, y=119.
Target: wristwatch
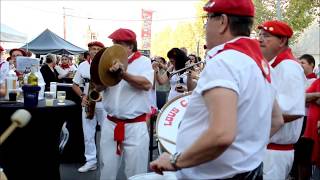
x=173, y=160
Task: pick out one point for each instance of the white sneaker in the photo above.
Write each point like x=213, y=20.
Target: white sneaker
x=87, y=167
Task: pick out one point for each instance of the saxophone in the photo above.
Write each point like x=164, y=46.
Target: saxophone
x=93, y=97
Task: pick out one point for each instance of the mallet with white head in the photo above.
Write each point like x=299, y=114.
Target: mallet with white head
x=20, y=118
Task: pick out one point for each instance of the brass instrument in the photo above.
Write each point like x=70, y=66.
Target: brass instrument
x=93, y=95
x=183, y=69
x=100, y=74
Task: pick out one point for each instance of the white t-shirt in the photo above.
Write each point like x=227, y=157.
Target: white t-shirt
x=125, y=101
x=290, y=83
x=236, y=71
x=63, y=72
x=174, y=80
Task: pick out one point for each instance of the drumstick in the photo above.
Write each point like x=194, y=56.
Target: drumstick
x=20, y=118
x=167, y=140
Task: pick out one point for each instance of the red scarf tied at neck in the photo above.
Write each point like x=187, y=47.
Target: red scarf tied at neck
x=135, y=56
x=64, y=66
x=311, y=76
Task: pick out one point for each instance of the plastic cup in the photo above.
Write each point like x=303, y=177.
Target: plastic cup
x=49, y=97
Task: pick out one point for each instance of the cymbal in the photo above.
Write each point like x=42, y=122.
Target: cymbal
x=108, y=58
x=94, y=67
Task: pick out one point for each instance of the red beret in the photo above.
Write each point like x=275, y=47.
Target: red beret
x=231, y=7
x=1, y=49
x=277, y=28
x=123, y=35
x=96, y=43
x=24, y=53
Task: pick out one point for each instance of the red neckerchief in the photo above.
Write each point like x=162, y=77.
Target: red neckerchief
x=64, y=66
x=313, y=117
x=284, y=55
x=250, y=48
x=135, y=56
x=311, y=76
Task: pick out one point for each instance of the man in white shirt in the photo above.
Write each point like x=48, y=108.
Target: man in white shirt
x=232, y=111
x=124, y=133
x=82, y=78
x=290, y=85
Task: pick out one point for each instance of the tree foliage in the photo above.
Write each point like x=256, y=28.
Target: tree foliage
x=299, y=14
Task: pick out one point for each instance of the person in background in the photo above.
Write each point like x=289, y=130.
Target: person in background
x=301, y=168
x=312, y=134
x=4, y=69
x=86, y=56
x=162, y=91
x=307, y=62
x=64, y=70
x=13, y=55
x=227, y=123
x=290, y=84
x=48, y=71
x=178, y=81
x=185, y=50
x=82, y=79
x=72, y=64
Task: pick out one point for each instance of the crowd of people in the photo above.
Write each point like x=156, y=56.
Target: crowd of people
x=254, y=111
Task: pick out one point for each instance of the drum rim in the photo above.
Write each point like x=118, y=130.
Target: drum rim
x=164, y=107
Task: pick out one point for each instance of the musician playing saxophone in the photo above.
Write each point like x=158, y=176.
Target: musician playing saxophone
x=82, y=77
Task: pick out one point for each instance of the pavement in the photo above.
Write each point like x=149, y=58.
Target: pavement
x=69, y=171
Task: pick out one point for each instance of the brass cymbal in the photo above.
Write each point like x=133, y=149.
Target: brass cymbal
x=94, y=67
x=108, y=58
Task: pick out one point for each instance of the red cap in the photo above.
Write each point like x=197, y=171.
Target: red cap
x=1, y=49
x=123, y=35
x=96, y=43
x=277, y=28
x=231, y=7
x=24, y=53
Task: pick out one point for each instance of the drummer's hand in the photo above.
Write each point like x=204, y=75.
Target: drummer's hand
x=84, y=101
x=162, y=164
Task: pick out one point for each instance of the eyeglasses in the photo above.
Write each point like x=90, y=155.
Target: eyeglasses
x=263, y=36
x=206, y=17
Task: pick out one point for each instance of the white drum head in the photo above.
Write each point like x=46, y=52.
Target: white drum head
x=154, y=176
x=168, y=122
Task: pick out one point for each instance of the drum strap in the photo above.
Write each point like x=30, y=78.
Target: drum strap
x=119, y=130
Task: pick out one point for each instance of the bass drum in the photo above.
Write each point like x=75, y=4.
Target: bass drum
x=153, y=176
x=168, y=122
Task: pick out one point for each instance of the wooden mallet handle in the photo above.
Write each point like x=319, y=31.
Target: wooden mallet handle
x=8, y=131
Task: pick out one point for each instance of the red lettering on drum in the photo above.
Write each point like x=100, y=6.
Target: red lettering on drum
x=184, y=103
x=170, y=117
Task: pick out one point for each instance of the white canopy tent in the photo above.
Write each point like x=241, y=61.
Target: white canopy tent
x=309, y=42
x=8, y=34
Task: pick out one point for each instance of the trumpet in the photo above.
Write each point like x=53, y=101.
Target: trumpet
x=183, y=69
x=93, y=97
